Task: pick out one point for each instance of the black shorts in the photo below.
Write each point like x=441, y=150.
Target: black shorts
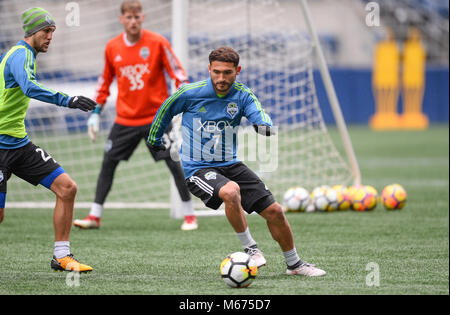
x=123, y=140
x=206, y=183
x=30, y=163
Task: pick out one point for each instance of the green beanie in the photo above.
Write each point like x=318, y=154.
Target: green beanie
x=35, y=19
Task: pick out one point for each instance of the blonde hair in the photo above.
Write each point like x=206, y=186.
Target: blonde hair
x=131, y=5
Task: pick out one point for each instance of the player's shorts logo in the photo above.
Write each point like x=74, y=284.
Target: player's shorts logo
x=108, y=145
x=232, y=109
x=210, y=175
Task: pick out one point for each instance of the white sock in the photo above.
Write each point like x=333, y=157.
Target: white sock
x=96, y=210
x=291, y=257
x=246, y=238
x=188, y=207
x=61, y=249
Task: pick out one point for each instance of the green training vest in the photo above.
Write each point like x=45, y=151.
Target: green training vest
x=13, y=104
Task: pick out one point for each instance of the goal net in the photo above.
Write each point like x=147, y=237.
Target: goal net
x=277, y=64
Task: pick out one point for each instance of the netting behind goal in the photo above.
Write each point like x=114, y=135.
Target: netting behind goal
x=277, y=62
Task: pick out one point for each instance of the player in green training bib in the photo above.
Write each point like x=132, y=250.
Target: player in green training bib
x=18, y=155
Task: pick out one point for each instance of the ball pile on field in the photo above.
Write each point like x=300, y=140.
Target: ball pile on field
x=359, y=198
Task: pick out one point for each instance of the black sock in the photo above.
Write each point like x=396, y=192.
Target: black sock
x=296, y=265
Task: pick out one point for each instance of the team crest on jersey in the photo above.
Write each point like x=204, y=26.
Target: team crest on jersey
x=232, y=109
x=210, y=175
x=144, y=53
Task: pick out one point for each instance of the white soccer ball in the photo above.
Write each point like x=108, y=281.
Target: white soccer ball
x=238, y=270
x=324, y=198
x=296, y=199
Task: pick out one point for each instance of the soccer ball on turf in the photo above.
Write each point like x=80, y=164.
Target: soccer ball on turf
x=324, y=198
x=238, y=270
x=393, y=197
x=296, y=199
x=364, y=198
x=343, y=195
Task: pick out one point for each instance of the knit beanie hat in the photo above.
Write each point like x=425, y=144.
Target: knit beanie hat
x=35, y=19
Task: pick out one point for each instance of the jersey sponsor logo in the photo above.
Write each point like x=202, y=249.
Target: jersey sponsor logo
x=134, y=74
x=118, y=58
x=232, y=109
x=144, y=53
x=213, y=126
x=211, y=175
x=202, y=110
x=211, y=140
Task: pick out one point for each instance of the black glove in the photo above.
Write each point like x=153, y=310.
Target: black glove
x=264, y=130
x=157, y=148
x=81, y=102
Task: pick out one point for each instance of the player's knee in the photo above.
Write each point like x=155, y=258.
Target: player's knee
x=230, y=192
x=69, y=190
x=65, y=188
x=274, y=213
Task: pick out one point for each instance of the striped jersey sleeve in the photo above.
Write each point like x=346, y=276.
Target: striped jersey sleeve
x=253, y=109
x=169, y=109
x=23, y=69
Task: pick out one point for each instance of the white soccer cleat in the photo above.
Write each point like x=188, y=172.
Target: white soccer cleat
x=89, y=222
x=307, y=270
x=257, y=255
x=189, y=224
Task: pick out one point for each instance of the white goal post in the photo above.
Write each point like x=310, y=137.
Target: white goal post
x=279, y=52
x=331, y=93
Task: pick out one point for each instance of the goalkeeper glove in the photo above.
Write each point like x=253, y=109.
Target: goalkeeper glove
x=81, y=102
x=264, y=130
x=93, y=123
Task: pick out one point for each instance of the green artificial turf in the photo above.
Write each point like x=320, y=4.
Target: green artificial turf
x=140, y=251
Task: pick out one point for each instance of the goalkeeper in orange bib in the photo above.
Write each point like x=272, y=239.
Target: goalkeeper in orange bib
x=138, y=59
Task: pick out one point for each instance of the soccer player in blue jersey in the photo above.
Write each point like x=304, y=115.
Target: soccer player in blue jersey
x=211, y=111
x=18, y=155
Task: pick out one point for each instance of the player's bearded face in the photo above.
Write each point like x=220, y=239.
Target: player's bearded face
x=42, y=39
x=132, y=22
x=223, y=75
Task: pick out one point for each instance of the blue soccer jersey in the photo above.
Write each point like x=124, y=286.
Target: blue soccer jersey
x=209, y=123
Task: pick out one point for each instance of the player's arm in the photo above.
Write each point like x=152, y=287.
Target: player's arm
x=22, y=69
x=173, y=65
x=257, y=116
x=171, y=107
x=102, y=93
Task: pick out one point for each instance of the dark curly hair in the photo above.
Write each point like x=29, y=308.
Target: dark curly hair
x=224, y=54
